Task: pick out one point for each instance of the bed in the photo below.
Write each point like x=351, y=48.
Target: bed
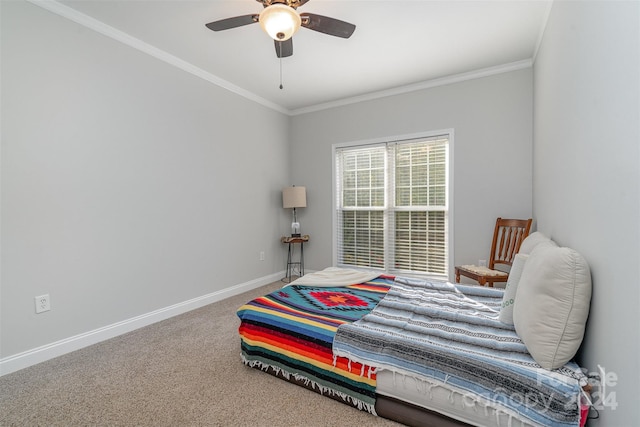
x=418, y=352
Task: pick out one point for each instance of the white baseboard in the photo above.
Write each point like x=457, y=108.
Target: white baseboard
x=43, y=353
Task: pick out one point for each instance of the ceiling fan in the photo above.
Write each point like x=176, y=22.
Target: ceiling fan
x=281, y=20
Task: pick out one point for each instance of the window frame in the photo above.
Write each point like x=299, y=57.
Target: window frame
x=384, y=141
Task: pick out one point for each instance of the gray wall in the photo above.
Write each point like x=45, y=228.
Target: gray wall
x=587, y=175
x=120, y=178
x=492, y=121
x=128, y=185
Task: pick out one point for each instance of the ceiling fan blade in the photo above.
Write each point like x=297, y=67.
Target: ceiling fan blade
x=284, y=49
x=324, y=24
x=236, y=21
x=301, y=2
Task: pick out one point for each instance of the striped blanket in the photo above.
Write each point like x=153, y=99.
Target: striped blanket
x=451, y=335
x=291, y=331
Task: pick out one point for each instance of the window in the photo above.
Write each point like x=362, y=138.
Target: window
x=392, y=206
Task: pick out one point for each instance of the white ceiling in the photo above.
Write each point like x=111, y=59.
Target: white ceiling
x=395, y=44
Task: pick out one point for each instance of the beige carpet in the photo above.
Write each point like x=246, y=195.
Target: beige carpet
x=184, y=371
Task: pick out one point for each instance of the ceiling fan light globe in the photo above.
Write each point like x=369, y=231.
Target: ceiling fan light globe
x=280, y=21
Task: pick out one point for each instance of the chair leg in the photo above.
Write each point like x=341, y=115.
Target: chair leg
x=457, y=276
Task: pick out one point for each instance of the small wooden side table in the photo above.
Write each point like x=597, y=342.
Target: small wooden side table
x=291, y=241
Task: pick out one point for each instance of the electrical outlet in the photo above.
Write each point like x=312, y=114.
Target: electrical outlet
x=43, y=303
x=261, y=255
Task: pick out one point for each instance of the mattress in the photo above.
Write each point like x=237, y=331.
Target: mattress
x=446, y=400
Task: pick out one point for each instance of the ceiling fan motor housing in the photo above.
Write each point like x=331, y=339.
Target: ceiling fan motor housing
x=291, y=3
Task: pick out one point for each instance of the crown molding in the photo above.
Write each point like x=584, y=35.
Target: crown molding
x=543, y=28
x=104, y=29
x=109, y=31
x=427, y=84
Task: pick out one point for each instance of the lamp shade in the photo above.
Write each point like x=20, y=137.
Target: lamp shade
x=280, y=21
x=294, y=197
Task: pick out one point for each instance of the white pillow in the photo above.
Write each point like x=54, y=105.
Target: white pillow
x=552, y=304
x=531, y=241
x=506, y=312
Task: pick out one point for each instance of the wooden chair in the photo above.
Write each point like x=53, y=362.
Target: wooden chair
x=507, y=237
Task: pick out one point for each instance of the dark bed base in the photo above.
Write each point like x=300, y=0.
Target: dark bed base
x=388, y=407
x=412, y=415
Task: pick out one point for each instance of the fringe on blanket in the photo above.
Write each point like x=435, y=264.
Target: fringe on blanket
x=363, y=406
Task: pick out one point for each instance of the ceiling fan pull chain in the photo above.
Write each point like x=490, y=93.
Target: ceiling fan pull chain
x=280, y=44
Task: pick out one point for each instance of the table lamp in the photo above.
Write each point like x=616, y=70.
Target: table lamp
x=294, y=197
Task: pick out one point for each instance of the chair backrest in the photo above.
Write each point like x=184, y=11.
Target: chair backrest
x=507, y=237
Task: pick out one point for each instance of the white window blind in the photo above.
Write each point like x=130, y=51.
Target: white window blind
x=392, y=206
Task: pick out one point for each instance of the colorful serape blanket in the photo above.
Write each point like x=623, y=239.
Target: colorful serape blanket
x=291, y=331
x=451, y=335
